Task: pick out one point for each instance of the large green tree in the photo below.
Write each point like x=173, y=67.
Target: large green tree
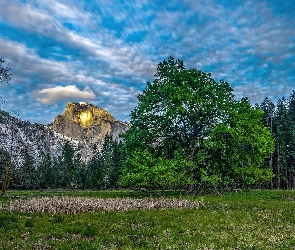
x=178, y=110
x=186, y=112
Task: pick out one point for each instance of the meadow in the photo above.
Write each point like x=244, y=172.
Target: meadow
x=255, y=219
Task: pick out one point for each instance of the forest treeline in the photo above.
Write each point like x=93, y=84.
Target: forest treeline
x=280, y=119
x=187, y=132
x=68, y=170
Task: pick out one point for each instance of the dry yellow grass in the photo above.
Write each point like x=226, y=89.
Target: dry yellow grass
x=74, y=205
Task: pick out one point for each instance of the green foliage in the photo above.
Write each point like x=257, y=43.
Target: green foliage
x=111, y=157
x=45, y=172
x=240, y=146
x=280, y=119
x=250, y=175
x=143, y=170
x=186, y=112
x=268, y=108
x=68, y=156
x=95, y=173
x=26, y=175
x=177, y=111
x=4, y=159
x=70, y=168
x=3, y=114
x=105, y=167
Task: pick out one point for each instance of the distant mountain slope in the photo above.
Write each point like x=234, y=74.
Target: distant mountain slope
x=17, y=136
x=82, y=124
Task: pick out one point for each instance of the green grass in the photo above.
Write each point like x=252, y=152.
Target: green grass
x=91, y=193
x=246, y=220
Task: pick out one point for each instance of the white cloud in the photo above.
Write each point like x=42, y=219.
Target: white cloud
x=250, y=44
x=45, y=18
x=59, y=93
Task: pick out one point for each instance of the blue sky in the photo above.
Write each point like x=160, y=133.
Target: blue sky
x=104, y=52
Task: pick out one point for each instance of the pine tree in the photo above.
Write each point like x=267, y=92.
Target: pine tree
x=268, y=107
x=45, y=171
x=94, y=170
x=26, y=173
x=284, y=135
x=67, y=166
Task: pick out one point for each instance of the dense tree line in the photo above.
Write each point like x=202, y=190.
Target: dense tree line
x=68, y=171
x=280, y=119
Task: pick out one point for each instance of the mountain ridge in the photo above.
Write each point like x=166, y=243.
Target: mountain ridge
x=17, y=136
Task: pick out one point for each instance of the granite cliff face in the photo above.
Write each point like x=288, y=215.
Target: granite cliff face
x=88, y=123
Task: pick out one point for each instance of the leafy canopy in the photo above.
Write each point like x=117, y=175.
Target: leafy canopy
x=178, y=110
x=186, y=112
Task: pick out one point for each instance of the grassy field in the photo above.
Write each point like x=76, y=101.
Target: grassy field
x=243, y=220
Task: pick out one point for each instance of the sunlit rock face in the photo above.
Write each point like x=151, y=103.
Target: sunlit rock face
x=86, y=122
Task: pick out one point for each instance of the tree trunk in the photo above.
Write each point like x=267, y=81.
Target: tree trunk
x=278, y=169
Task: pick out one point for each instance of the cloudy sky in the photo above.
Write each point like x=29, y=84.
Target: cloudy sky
x=104, y=51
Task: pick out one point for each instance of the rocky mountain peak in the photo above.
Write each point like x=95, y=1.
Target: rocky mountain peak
x=86, y=114
x=84, y=121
